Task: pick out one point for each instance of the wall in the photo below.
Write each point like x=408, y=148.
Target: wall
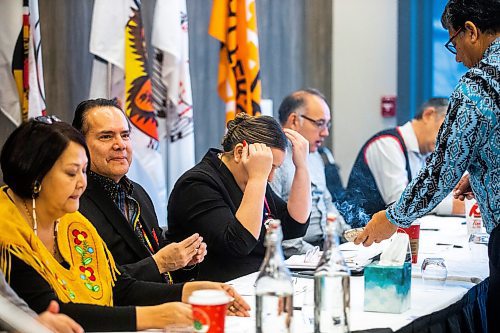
x=288, y=31
x=364, y=69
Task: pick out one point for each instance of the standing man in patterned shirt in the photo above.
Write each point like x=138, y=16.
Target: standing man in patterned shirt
x=469, y=139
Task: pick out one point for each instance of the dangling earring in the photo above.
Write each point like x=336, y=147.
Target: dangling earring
x=37, y=187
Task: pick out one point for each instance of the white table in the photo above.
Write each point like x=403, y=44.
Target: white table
x=463, y=270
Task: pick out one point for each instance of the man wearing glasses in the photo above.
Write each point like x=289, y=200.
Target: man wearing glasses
x=307, y=112
x=390, y=159
x=469, y=139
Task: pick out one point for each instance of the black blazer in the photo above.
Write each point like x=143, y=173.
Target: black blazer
x=128, y=250
x=205, y=200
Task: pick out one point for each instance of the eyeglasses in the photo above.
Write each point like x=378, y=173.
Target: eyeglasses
x=320, y=123
x=49, y=120
x=449, y=44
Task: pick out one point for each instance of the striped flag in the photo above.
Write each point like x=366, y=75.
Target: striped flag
x=121, y=71
x=21, y=72
x=234, y=24
x=172, y=87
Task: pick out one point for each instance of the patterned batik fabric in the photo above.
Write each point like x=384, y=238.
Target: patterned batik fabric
x=469, y=140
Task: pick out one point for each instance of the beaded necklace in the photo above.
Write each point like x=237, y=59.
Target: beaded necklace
x=34, y=224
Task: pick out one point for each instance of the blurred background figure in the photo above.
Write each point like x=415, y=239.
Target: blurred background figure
x=390, y=159
x=307, y=112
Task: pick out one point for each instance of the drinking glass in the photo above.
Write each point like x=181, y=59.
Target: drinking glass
x=434, y=273
x=478, y=246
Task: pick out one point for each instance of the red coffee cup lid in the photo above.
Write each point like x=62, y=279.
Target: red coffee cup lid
x=209, y=297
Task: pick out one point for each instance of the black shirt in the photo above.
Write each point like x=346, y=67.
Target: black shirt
x=127, y=292
x=205, y=200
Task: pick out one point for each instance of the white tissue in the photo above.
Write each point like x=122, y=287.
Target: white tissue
x=395, y=253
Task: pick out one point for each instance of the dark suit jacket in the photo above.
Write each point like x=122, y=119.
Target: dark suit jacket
x=128, y=250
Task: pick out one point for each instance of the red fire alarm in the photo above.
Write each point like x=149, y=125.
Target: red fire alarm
x=388, y=106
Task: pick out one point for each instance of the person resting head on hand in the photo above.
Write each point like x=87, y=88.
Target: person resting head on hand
x=226, y=198
x=53, y=253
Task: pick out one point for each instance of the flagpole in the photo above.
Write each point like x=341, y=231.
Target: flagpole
x=108, y=86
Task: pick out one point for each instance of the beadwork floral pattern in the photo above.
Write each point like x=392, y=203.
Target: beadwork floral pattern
x=86, y=253
x=88, y=273
x=80, y=236
x=64, y=284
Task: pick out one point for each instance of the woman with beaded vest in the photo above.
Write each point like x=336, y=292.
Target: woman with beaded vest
x=49, y=251
x=227, y=200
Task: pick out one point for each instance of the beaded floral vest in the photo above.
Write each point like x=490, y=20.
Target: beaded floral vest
x=92, y=271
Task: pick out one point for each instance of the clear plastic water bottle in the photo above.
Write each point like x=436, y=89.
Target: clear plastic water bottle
x=274, y=287
x=331, y=286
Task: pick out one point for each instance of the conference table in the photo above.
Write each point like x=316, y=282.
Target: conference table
x=444, y=237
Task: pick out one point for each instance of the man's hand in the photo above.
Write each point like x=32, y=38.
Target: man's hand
x=463, y=189
x=378, y=229
x=178, y=255
x=57, y=322
x=300, y=147
x=200, y=255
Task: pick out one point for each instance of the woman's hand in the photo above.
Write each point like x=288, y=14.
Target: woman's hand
x=238, y=307
x=257, y=159
x=57, y=322
x=300, y=148
x=163, y=315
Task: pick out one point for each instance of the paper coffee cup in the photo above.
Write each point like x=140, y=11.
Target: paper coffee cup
x=414, y=234
x=473, y=217
x=209, y=310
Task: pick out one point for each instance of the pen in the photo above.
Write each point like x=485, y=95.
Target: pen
x=430, y=229
x=454, y=245
x=301, y=275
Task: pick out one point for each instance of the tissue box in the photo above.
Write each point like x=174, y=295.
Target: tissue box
x=387, y=288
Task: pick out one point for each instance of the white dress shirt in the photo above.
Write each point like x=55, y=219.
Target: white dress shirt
x=386, y=160
x=321, y=202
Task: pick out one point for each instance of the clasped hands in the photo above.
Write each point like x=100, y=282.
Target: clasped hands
x=174, y=256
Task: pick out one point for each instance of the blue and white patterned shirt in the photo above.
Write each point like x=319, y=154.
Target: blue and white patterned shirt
x=469, y=140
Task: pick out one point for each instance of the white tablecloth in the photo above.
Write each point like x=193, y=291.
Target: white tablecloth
x=463, y=270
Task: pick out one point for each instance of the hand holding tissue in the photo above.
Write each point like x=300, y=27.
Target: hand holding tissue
x=388, y=282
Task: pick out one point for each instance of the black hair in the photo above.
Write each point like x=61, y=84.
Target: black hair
x=295, y=101
x=31, y=151
x=262, y=129
x=485, y=14
x=80, y=117
x=440, y=104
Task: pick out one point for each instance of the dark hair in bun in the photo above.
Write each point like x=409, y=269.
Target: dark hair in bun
x=261, y=129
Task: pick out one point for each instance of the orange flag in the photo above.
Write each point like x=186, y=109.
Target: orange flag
x=234, y=24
